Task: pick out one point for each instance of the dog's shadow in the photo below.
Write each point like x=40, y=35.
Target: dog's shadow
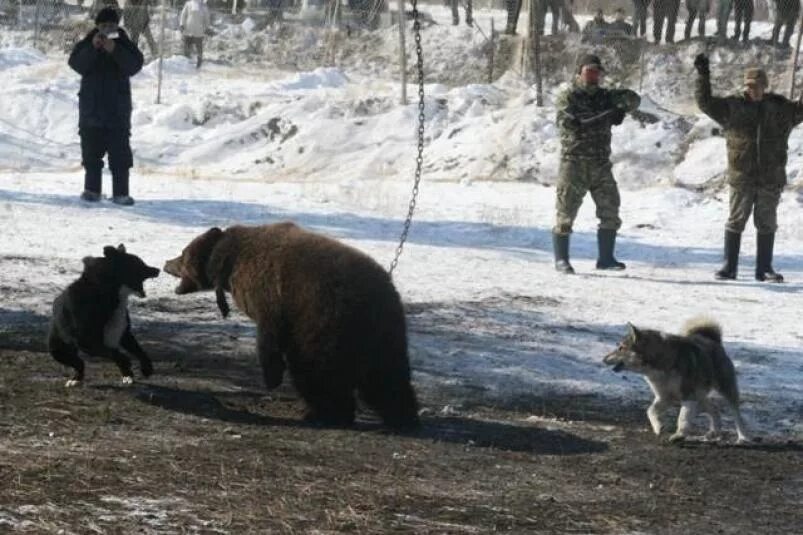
x=466, y=432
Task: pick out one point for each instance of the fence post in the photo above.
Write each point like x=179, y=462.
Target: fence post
x=161, y=52
x=491, y=55
x=36, y=24
x=794, y=61
x=535, y=50
x=402, y=53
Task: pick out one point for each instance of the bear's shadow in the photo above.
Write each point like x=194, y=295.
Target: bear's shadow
x=466, y=432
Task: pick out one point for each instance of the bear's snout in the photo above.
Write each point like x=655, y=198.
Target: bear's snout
x=173, y=267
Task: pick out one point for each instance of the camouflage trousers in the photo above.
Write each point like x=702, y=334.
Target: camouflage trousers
x=762, y=201
x=575, y=179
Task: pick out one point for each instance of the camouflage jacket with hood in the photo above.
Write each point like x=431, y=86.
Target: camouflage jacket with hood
x=585, y=117
x=756, y=133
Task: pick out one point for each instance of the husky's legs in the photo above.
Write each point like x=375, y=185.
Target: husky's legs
x=712, y=411
x=654, y=414
x=742, y=436
x=688, y=410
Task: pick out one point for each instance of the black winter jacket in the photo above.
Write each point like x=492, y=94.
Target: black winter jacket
x=105, y=96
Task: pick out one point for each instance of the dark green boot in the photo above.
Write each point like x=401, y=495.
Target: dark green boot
x=764, y=271
x=733, y=241
x=606, y=241
x=560, y=242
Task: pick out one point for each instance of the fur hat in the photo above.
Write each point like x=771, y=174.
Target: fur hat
x=107, y=14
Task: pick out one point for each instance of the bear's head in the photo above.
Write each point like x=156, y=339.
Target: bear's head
x=119, y=269
x=190, y=267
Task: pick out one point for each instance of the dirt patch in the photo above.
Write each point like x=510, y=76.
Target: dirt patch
x=202, y=448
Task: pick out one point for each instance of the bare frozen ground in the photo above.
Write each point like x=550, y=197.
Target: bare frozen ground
x=202, y=448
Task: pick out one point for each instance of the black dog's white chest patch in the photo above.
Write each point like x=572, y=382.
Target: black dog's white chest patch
x=116, y=326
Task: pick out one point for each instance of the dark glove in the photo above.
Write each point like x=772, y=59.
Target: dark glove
x=617, y=116
x=701, y=64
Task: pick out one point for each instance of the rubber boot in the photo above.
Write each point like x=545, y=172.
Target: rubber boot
x=733, y=241
x=560, y=242
x=764, y=271
x=606, y=241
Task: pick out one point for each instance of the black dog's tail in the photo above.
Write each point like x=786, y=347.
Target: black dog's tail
x=705, y=327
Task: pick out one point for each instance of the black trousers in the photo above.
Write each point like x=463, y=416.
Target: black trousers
x=97, y=142
x=198, y=44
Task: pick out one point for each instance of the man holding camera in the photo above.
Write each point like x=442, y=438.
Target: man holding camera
x=106, y=59
x=757, y=125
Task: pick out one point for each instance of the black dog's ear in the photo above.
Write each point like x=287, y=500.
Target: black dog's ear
x=121, y=248
x=632, y=331
x=109, y=251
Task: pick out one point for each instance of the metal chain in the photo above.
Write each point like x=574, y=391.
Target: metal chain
x=419, y=160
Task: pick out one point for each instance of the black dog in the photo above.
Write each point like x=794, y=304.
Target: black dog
x=91, y=315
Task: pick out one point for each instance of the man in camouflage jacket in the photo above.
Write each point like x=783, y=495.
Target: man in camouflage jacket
x=757, y=125
x=586, y=113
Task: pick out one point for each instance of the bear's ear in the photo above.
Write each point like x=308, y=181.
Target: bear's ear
x=90, y=261
x=121, y=248
x=214, y=231
x=632, y=331
x=109, y=251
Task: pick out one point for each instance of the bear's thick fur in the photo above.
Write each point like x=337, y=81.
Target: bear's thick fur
x=325, y=310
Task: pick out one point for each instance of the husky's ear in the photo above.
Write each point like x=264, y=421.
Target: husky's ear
x=110, y=251
x=632, y=331
x=121, y=248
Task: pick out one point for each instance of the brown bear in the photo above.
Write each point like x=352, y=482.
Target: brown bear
x=325, y=310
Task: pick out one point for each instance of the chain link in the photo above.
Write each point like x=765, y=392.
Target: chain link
x=419, y=160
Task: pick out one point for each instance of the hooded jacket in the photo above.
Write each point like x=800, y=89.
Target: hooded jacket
x=104, y=100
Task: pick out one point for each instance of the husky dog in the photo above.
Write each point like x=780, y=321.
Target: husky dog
x=682, y=369
x=91, y=315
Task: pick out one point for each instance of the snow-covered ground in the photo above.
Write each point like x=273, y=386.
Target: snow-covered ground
x=333, y=150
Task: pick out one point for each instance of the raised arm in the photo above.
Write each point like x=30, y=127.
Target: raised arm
x=715, y=107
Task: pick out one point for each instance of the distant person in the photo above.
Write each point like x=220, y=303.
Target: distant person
x=554, y=6
x=665, y=11
x=106, y=59
x=696, y=9
x=724, y=8
x=467, y=4
x=757, y=127
x=513, y=8
x=595, y=30
x=567, y=16
x=619, y=26
x=743, y=14
x=586, y=113
x=193, y=23
x=640, y=16
x=786, y=13
x=137, y=20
